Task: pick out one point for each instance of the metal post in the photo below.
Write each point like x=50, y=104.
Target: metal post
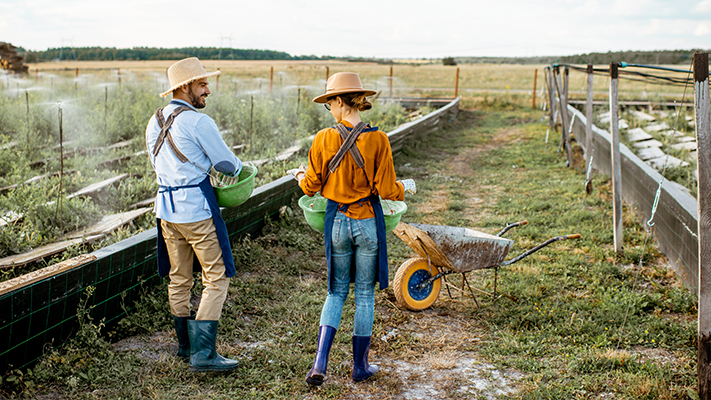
x=535, y=77
x=456, y=84
x=703, y=139
x=615, y=155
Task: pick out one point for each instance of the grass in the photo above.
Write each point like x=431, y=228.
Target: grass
x=587, y=323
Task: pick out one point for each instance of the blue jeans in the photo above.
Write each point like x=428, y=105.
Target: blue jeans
x=349, y=237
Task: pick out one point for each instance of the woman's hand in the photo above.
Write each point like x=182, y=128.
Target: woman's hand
x=409, y=185
x=298, y=173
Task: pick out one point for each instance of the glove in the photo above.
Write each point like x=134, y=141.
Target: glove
x=296, y=171
x=409, y=186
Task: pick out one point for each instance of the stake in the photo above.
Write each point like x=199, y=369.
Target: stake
x=456, y=84
x=271, y=78
x=61, y=167
x=106, y=109
x=29, y=128
x=118, y=74
x=703, y=139
x=390, y=81
x=535, y=77
x=327, y=76
x=217, y=82
x=615, y=150
x=298, y=100
x=251, y=116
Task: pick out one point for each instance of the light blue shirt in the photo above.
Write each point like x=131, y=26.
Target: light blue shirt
x=197, y=137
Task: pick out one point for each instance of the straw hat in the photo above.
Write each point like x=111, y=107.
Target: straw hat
x=343, y=82
x=185, y=71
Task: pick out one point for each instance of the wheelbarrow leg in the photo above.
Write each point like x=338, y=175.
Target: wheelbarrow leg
x=464, y=280
x=444, y=280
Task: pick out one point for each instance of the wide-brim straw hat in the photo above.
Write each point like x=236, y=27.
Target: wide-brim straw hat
x=343, y=82
x=185, y=71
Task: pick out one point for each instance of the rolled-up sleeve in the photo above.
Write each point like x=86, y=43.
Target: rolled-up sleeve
x=213, y=145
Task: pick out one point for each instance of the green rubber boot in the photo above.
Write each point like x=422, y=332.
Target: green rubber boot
x=203, y=355
x=181, y=331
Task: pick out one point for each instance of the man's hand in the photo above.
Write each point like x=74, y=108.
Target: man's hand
x=409, y=186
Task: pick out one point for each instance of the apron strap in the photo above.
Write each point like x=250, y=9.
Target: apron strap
x=165, y=135
x=348, y=145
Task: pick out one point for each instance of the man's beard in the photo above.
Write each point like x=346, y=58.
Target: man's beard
x=195, y=100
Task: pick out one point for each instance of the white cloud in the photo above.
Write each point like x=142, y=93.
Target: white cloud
x=703, y=6
x=703, y=29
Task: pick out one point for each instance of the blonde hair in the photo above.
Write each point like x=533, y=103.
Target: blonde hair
x=358, y=101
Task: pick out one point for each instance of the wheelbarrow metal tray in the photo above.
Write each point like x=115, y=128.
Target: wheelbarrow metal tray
x=465, y=249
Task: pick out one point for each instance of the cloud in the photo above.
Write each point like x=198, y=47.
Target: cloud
x=703, y=29
x=703, y=6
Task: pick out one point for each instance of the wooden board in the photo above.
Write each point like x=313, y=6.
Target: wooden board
x=97, y=186
x=46, y=272
x=42, y=252
x=109, y=223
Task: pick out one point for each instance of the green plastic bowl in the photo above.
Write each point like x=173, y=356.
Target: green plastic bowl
x=315, y=211
x=237, y=189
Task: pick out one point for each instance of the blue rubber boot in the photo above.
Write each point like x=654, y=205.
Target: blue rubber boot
x=361, y=369
x=181, y=331
x=203, y=355
x=317, y=374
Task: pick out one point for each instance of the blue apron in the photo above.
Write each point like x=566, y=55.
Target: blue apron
x=220, y=226
x=382, y=266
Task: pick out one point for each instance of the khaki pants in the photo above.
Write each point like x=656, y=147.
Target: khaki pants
x=182, y=241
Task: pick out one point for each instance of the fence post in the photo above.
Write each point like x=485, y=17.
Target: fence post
x=327, y=76
x=390, y=82
x=217, y=82
x=564, y=136
x=535, y=77
x=703, y=139
x=564, y=114
x=615, y=153
x=456, y=84
x=551, y=97
x=271, y=78
x=589, y=116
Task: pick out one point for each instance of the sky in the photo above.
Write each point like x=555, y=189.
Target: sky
x=365, y=28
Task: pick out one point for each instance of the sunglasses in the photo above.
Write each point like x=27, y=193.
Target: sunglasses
x=328, y=106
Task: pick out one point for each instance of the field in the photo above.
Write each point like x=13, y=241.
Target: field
x=586, y=323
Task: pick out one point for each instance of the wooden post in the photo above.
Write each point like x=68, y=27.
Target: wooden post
x=551, y=97
x=456, y=84
x=615, y=153
x=29, y=127
x=118, y=74
x=535, y=77
x=390, y=82
x=589, y=116
x=703, y=140
x=76, y=77
x=217, y=82
x=327, y=76
x=564, y=137
x=271, y=78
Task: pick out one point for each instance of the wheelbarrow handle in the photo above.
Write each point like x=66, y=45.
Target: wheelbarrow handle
x=509, y=226
x=540, y=246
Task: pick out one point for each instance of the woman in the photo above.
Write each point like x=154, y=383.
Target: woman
x=351, y=165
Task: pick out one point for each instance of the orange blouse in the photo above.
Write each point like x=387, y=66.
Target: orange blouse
x=350, y=183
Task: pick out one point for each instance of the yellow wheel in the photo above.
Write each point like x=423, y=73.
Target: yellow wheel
x=410, y=274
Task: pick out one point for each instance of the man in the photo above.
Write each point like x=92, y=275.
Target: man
x=183, y=145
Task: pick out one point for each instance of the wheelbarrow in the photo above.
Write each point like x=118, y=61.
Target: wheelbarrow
x=445, y=250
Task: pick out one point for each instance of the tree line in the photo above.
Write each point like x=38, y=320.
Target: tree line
x=674, y=57
x=152, y=53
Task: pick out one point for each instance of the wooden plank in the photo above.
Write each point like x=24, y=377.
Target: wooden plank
x=703, y=138
x=108, y=223
x=93, y=188
x=615, y=158
x=638, y=135
x=36, y=179
x=43, y=251
x=44, y=273
x=142, y=203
